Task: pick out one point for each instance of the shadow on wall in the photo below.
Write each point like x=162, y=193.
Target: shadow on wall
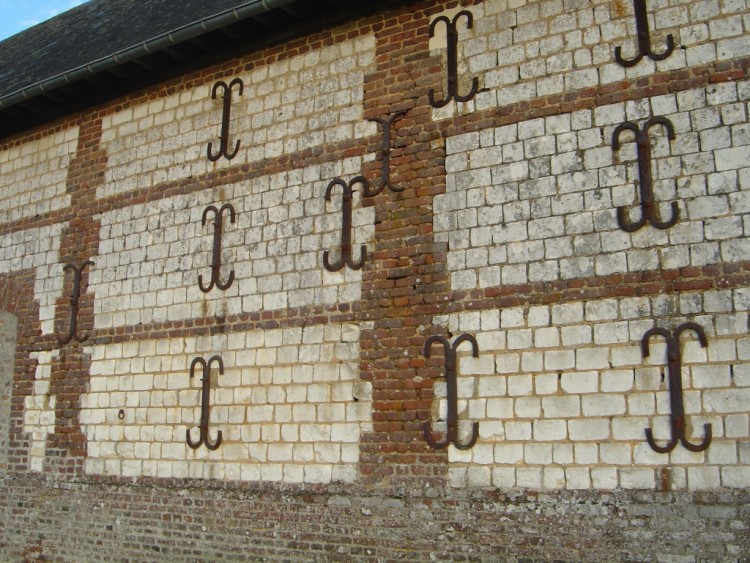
x=8, y=328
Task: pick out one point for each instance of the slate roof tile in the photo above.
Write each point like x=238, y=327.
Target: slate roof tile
x=94, y=30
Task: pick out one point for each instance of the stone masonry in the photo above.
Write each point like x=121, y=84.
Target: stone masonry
x=554, y=280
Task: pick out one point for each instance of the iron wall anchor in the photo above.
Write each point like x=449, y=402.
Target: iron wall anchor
x=74, y=303
x=346, y=227
x=674, y=363
x=451, y=435
x=224, y=135
x=385, y=171
x=649, y=209
x=216, y=257
x=644, y=39
x=205, y=388
x=452, y=56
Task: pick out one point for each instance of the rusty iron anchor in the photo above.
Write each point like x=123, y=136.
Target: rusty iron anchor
x=205, y=404
x=674, y=363
x=216, y=256
x=451, y=363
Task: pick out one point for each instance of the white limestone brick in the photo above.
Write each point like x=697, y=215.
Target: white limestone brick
x=39, y=410
x=296, y=430
x=38, y=249
x=515, y=58
x=156, y=251
x=576, y=235
x=637, y=478
x=287, y=106
x=589, y=417
x=33, y=176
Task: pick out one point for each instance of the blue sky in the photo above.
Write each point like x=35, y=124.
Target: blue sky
x=17, y=15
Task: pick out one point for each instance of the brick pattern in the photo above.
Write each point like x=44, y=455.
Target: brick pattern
x=33, y=176
x=156, y=251
x=170, y=522
x=563, y=395
x=39, y=249
x=39, y=410
x=536, y=201
x=17, y=300
x=8, y=336
x=521, y=50
x=289, y=404
x=287, y=106
x=69, y=367
x=407, y=278
x=325, y=390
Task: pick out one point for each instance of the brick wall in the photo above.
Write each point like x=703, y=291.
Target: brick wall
x=555, y=216
x=156, y=251
x=8, y=330
x=505, y=248
x=563, y=396
x=286, y=106
x=289, y=404
x=33, y=175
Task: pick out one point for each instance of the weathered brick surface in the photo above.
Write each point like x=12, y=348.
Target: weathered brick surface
x=301, y=102
x=546, y=390
x=523, y=50
x=156, y=251
x=33, y=175
x=504, y=229
x=8, y=331
x=289, y=405
x=536, y=201
x=37, y=248
x=173, y=523
x=22, y=311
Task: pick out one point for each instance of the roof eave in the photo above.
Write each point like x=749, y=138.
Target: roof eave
x=158, y=43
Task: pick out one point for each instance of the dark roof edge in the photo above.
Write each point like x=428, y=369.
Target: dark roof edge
x=178, y=35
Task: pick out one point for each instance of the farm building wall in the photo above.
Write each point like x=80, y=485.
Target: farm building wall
x=380, y=314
